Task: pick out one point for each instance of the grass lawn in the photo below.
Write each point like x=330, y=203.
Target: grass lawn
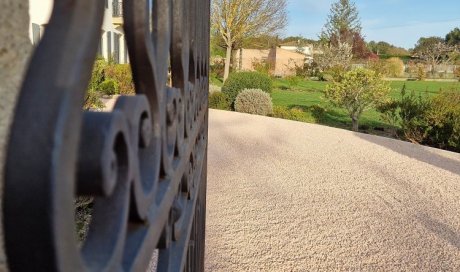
x=308, y=96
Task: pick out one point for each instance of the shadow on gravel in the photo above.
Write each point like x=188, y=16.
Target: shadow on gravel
x=415, y=152
x=440, y=229
x=250, y=148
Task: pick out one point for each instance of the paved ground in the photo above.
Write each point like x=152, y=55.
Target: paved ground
x=289, y=196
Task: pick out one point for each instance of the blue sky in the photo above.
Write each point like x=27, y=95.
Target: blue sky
x=399, y=22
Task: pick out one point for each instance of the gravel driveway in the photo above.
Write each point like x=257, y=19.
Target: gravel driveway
x=290, y=196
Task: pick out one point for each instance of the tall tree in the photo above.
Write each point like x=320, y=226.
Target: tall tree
x=453, y=37
x=236, y=20
x=342, y=22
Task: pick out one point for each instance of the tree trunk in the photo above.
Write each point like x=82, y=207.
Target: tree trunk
x=227, y=62
x=240, y=61
x=355, y=122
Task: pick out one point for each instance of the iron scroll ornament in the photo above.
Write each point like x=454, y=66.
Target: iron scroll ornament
x=144, y=163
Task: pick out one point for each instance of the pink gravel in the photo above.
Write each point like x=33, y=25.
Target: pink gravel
x=290, y=196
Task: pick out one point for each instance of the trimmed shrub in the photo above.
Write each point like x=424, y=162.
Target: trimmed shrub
x=432, y=121
x=93, y=95
x=254, y=101
x=218, y=101
x=109, y=87
x=121, y=74
x=92, y=100
x=289, y=114
x=281, y=112
x=237, y=82
x=214, y=89
x=412, y=111
x=443, y=118
x=295, y=114
x=97, y=75
x=395, y=67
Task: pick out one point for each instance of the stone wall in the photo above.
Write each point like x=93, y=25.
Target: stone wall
x=15, y=48
x=281, y=62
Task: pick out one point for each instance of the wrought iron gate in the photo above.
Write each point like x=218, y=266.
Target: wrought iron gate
x=144, y=163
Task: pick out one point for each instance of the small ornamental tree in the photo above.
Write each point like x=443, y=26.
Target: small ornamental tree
x=358, y=91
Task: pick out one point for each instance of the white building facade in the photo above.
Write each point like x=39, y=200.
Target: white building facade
x=112, y=45
x=307, y=50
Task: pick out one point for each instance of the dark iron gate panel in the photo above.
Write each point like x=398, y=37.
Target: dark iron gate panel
x=144, y=163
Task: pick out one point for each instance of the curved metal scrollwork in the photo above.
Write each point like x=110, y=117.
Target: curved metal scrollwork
x=143, y=163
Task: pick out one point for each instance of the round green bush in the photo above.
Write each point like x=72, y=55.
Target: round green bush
x=219, y=101
x=237, y=82
x=254, y=101
x=109, y=87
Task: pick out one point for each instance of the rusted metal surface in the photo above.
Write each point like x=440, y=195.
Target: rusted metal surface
x=144, y=163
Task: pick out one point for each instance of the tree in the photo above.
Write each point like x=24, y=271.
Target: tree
x=297, y=39
x=358, y=91
x=426, y=42
x=334, y=56
x=343, y=20
x=259, y=42
x=379, y=48
x=453, y=37
x=434, y=51
x=384, y=48
x=236, y=20
x=359, y=48
x=344, y=27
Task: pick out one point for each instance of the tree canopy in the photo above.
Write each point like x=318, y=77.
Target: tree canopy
x=453, y=37
x=344, y=26
x=384, y=48
x=427, y=42
x=435, y=51
x=342, y=20
x=236, y=20
x=298, y=39
x=358, y=91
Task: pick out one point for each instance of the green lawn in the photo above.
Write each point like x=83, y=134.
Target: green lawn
x=308, y=96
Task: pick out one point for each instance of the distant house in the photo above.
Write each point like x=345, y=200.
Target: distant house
x=112, y=42
x=295, y=46
x=280, y=62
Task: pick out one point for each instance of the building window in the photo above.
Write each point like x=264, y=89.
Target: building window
x=35, y=34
